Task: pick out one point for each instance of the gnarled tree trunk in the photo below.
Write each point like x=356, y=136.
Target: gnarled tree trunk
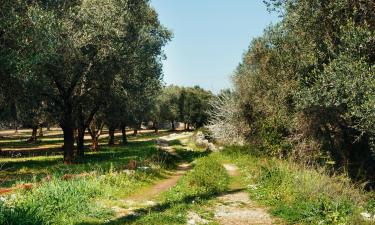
x=33, y=137
x=156, y=127
x=95, y=133
x=40, y=131
x=111, y=137
x=68, y=144
x=173, y=126
x=67, y=125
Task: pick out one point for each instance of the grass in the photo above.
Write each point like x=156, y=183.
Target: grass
x=21, y=169
x=191, y=194
x=298, y=194
x=293, y=192
x=83, y=199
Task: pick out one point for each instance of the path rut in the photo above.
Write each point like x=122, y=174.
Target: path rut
x=146, y=197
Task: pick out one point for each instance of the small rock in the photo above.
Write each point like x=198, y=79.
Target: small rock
x=211, y=147
x=366, y=215
x=129, y=172
x=150, y=203
x=144, y=167
x=194, y=218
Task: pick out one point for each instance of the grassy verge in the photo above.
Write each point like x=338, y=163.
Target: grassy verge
x=298, y=194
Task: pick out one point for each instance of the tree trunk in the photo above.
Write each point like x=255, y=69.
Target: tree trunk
x=67, y=125
x=124, y=137
x=111, y=138
x=135, y=132
x=156, y=127
x=95, y=144
x=68, y=143
x=81, y=142
x=48, y=127
x=33, y=137
x=173, y=126
x=95, y=134
x=40, y=131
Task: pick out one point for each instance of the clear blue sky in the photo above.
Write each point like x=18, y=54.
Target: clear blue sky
x=210, y=37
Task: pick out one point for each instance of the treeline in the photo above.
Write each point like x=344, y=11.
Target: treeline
x=306, y=88
x=83, y=65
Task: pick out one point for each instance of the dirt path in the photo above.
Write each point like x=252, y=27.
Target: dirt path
x=150, y=193
x=235, y=208
x=147, y=197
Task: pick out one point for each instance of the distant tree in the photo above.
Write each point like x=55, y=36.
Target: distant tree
x=193, y=106
x=168, y=104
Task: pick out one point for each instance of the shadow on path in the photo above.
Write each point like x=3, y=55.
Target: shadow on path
x=159, y=208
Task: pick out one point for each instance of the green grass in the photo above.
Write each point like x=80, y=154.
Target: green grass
x=295, y=193
x=80, y=198
x=87, y=199
x=33, y=169
x=193, y=193
x=90, y=198
x=299, y=194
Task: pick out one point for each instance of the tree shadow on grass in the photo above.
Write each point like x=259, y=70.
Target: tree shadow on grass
x=108, y=158
x=159, y=208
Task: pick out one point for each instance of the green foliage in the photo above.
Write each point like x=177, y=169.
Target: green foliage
x=69, y=59
x=193, y=105
x=305, y=88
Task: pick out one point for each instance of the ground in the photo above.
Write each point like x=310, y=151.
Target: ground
x=176, y=182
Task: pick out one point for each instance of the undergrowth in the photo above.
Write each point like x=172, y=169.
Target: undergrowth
x=301, y=194
x=66, y=202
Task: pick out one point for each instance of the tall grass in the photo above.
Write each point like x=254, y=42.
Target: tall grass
x=300, y=194
x=67, y=202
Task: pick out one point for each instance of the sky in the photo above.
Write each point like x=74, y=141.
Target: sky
x=210, y=37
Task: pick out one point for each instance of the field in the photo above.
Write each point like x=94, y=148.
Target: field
x=178, y=183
